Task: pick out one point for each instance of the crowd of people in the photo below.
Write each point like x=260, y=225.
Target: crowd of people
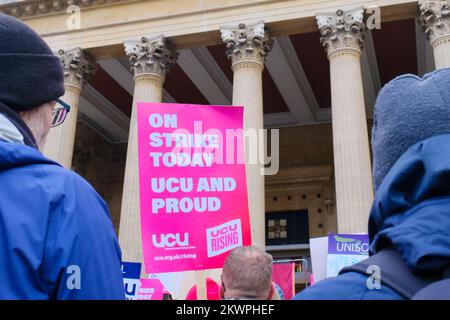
x=51, y=219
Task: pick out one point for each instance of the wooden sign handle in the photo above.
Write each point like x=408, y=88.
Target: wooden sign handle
x=200, y=281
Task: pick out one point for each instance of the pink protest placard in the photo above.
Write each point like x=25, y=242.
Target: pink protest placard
x=151, y=289
x=193, y=193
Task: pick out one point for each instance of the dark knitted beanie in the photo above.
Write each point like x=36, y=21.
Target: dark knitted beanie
x=409, y=109
x=30, y=74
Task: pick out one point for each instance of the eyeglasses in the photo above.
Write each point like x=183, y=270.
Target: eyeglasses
x=60, y=113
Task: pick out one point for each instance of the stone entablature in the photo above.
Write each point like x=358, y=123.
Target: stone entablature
x=22, y=9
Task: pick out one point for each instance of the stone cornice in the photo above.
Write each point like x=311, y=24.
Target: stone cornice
x=104, y=27
x=300, y=176
x=31, y=8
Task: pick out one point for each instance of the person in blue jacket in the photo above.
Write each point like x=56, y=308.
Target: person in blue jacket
x=411, y=172
x=56, y=237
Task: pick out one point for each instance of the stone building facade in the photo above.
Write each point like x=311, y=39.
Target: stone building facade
x=311, y=69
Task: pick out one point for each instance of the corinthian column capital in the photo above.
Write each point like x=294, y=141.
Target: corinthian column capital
x=78, y=66
x=435, y=19
x=247, y=42
x=342, y=29
x=154, y=56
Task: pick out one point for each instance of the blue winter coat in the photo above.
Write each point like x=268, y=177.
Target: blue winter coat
x=56, y=237
x=411, y=212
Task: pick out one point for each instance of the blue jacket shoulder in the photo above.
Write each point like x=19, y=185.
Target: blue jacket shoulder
x=57, y=235
x=348, y=286
x=81, y=236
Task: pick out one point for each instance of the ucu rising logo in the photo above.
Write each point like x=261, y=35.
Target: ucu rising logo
x=170, y=240
x=225, y=230
x=223, y=238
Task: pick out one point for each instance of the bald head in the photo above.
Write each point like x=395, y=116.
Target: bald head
x=247, y=272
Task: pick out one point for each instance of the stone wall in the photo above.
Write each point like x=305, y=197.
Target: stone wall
x=306, y=146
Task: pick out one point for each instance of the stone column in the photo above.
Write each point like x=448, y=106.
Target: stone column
x=150, y=61
x=247, y=47
x=78, y=66
x=435, y=21
x=342, y=37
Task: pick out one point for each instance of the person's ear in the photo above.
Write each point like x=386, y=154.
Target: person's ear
x=271, y=291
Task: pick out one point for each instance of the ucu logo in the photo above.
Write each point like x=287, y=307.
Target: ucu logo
x=222, y=231
x=170, y=240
